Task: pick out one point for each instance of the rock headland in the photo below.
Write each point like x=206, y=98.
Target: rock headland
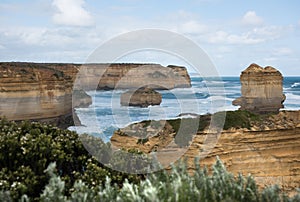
x=38, y=93
x=46, y=92
x=262, y=90
x=126, y=76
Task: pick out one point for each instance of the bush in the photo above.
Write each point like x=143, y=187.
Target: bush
x=26, y=149
x=177, y=185
x=239, y=119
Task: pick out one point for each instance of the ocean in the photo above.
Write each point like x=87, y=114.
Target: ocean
x=207, y=95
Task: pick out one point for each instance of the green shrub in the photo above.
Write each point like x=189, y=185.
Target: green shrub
x=223, y=120
x=239, y=119
x=177, y=185
x=26, y=149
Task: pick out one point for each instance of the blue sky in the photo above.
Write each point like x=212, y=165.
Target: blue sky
x=233, y=33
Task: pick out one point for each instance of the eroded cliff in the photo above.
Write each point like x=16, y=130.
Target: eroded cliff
x=262, y=90
x=43, y=91
x=268, y=149
x=37, y=92
x=126, y=76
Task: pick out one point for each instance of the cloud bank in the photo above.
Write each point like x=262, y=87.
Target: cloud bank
x=71, y=13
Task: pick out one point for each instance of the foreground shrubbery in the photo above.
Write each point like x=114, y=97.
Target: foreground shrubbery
x=26, y=150
x=177, y=185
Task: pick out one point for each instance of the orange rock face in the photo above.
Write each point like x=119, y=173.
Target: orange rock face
x=126, y=76
x=261, y=90
x=269, y=150
x=36, y=92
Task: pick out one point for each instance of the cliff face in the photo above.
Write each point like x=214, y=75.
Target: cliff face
x=269, y=149
x=41, y=93
x=271, y=156
x=261, y=90
x=126, y=76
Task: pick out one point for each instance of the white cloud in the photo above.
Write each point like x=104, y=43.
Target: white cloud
x=270, y=59
x=282, y=51
x=59, y=38
x=272, y=32
x=224, y=37
x=36, y=36
x=71, y=13
x=254, y=36
x=192, y=27
x=250, y=18
x=2, y=47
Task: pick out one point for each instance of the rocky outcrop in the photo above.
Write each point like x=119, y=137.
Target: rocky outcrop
x=268, y=150
x=126, y=76
x=37, y=92
x=143, y=97
x=261, y=90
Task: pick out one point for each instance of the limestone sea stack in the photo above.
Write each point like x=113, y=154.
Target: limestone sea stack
x=143, y=97
x=262, y=90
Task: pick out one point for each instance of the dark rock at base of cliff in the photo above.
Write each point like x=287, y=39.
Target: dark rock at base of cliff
x=81, y=99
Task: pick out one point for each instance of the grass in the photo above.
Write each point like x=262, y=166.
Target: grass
x=233, y=119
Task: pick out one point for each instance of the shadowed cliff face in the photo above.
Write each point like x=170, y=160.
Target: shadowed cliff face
x=262, y=90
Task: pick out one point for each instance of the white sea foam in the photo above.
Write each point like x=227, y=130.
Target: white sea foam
x=295, y=85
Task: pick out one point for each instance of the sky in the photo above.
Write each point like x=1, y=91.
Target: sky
x=232, y=33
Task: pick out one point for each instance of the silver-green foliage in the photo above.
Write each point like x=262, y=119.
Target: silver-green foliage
x=177, y=185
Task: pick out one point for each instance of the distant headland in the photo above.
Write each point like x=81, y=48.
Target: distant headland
x=43, y=91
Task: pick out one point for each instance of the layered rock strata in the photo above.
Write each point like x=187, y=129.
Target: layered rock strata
x=126, y=76
x=39, y=93
x=43, y=91
x=143, y=97
x=262, y=90
x=268, y=150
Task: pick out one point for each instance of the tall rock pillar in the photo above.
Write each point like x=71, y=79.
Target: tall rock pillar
x=262, y=90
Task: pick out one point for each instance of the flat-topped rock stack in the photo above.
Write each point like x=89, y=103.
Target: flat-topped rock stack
x=262, y=90
x=143, y=97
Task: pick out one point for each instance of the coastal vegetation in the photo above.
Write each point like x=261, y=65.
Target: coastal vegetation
x=26, y=149
x=43, y=163
x=232, y=119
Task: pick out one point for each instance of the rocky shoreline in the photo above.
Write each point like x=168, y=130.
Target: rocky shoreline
x=49, y=92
